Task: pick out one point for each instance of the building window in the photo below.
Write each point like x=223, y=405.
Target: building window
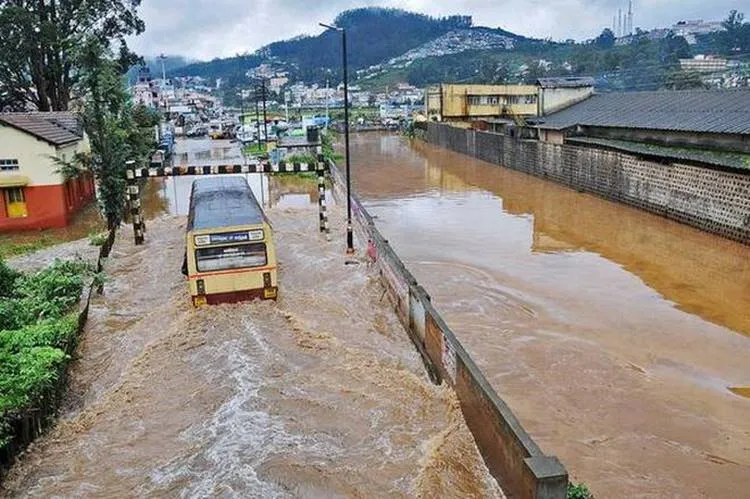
x=15, y=202
x=474, y=100
x=493, y=100
x=7, y=165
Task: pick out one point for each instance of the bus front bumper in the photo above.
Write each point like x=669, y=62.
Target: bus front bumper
x=236, y=296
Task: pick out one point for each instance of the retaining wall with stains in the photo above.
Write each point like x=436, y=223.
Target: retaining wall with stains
x=711, y=199
x=519, y=466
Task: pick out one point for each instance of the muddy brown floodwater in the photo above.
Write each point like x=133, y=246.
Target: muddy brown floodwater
x=318, y=395
x=619, y=338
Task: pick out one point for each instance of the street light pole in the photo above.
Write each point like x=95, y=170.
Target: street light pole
x=242, y=108
x=349, y=231
x=327, y=118
x=257, y=119
x=265, y=119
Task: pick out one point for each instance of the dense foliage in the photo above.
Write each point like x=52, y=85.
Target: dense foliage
x=39, y=43
x=37, y=324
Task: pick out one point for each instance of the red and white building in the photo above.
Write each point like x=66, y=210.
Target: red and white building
x=33, y=195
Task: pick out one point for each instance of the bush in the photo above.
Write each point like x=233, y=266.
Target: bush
x=8, y=278
x=37, y=324
x=51, y=332
x=97, y=239
x=14, y=314
x=25, y=376
x=50, y=292
x=301, y=158
x=579, y=491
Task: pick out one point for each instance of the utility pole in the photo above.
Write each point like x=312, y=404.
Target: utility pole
x=257, y=118
x=242, y=108
x=349, y=231
x=265, y=120
x=326, y=104
x=286, y=107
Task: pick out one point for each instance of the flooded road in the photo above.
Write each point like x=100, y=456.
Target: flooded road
x=619, y=338
x=318, y=395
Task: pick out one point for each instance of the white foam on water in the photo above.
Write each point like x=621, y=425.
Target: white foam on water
x=228, y=449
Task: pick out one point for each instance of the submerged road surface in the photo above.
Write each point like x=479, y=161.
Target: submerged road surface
x=318, y=395
x=620, y=339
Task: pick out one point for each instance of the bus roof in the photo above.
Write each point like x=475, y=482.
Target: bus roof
x=223, y=202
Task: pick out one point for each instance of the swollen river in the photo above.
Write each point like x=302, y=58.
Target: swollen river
x=318, y=395
x=619, y=338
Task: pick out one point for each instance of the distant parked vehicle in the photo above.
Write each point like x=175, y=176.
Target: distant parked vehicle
x=199, y=131
x=166, y=145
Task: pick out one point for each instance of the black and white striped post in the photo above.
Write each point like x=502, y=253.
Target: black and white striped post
x=322, y=207
x=134, y=200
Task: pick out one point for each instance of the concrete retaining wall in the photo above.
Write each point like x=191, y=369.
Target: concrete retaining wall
x=713, y=200
x=519, y=466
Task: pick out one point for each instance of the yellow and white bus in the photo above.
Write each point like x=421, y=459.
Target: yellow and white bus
x=230, y=255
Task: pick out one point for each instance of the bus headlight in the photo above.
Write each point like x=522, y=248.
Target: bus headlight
x=201, y=286
x=256, y=235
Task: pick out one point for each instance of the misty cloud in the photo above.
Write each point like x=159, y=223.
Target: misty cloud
x=205, y=29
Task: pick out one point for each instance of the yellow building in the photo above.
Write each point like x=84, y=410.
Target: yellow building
x=33, y=194
x=467, y=103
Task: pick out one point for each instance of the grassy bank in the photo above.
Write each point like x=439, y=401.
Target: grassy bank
x=38, y=326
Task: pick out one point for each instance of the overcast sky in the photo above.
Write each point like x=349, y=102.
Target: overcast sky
x=204, y=29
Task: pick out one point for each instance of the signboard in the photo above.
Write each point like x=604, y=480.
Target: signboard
x=230, y=237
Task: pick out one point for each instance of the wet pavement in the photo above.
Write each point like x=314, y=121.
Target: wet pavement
x=318, y=395
x=619, y=338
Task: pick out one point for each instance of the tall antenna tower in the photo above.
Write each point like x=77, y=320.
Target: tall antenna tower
x=630, y=17
x=619, y=23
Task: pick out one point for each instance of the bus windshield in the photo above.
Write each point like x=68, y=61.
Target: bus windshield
x=239, y=256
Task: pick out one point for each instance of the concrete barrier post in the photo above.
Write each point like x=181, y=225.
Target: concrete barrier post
x=134, y=195
x=322, y=207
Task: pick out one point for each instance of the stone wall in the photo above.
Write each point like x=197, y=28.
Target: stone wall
x=713, y=200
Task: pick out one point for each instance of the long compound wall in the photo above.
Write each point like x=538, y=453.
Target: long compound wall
x=519, y=466
x=712, y=200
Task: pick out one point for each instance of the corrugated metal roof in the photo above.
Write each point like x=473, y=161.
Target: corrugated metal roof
x=57, y=128
x=566, y=82
x=706, y=111
x=223, y=202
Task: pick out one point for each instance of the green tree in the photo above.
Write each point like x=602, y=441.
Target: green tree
x=117, y=131
x=684, y=80
x=39, y=41
x=736, y=37
x=606, y=39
